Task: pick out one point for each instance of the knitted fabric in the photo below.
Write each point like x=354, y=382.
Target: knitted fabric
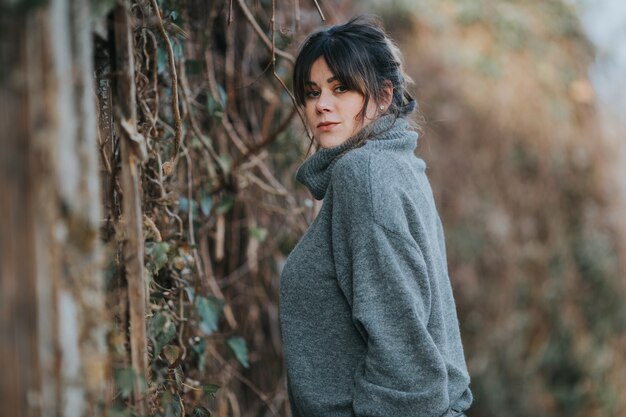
x=368, y=318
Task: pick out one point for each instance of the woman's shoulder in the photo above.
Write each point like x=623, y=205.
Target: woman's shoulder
x=383, y=187
x=352, y=168
x=386, y=177
x=350, y=179
x=380, y=166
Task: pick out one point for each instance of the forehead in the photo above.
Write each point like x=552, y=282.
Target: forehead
x=320, y=72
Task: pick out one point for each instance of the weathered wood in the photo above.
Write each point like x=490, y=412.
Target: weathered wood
x=132, y=149
x=18, y=309
x=53, y=353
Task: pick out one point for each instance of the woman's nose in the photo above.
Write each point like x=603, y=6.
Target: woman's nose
x=324, y=102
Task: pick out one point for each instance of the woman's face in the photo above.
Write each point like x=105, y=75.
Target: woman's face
x=331, y=109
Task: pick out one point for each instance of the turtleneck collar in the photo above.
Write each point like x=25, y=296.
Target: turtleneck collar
x=385, y=133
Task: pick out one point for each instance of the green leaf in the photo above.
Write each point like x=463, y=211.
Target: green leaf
x=209, y=390
x=258, y=233
x=193, y=67
x=171, y=405
x=157, y=255
x=161, y=331
x=179, y=376
x=183, y=205
x=119, y=410
x=238, y=345
x=226, y=203
x=213, y=106
x=210, y=310
x=179, y=51
x=206, y=202
x=162, y=61
x=191, y=293
x=125, y=379
x=225, y=163
x=200, y=412
x=22, y=7
x=222, y=94
x=172, y=353
x=100, y=8
x=199, y=349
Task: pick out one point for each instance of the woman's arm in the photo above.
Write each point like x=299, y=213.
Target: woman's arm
x=384, y=276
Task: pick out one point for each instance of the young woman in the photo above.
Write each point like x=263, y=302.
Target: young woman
x=368, y=319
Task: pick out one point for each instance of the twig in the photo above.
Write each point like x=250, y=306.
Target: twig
x=172, y=65
x=212, y=282
x=282, y=83
x=259, y=31
x=242, y=270
x=192, y=238
x=265, y=142
x=228, y=127
x=147, y=221
x=319, y=9
x=148, y=85
x=265, y=187
x=262, y=396
x=275, y=183
x=228, y=313
x=204, y=140
x=155, y=88
x=297, y=13
x=159, y=181
x=234, y=405
x=181, y=329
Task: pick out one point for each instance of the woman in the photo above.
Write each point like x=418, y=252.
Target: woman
x=368, y=318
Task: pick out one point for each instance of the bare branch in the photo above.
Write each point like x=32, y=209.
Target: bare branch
x=319, y=10
x=259, y=31
x=267, y=141
x=262, y=396
x=282, y=83
x=172, y=66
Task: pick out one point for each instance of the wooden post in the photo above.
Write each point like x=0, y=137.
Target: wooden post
x=132, y=154
x=52, y=323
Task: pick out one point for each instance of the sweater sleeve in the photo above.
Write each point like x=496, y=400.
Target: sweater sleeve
x=385, y=279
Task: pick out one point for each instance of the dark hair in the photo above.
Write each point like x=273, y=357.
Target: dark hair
x=362, y=57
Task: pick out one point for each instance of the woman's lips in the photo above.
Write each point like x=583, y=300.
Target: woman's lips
x=326, y=126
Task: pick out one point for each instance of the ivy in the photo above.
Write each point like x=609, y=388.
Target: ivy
x=200, y=412
x=240, y=349
x=161, y=331
x=157, y=254
x=125, y=380
x=210, y=310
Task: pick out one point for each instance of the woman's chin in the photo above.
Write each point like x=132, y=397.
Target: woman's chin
x=330, y=141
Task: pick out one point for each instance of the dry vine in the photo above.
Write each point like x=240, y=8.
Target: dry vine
x=205, y=221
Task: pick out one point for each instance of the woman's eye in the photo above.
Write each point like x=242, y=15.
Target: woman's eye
x=341, y=89
x=312, y=94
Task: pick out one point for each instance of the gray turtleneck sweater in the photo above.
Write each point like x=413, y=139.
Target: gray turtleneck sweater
x=368, y=319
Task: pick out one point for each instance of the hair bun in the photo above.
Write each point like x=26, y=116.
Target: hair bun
x=409, y=105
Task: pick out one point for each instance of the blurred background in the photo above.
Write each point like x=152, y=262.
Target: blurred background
x=148, y=168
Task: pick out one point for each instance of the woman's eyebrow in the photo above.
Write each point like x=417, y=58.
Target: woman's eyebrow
x=314, y=84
